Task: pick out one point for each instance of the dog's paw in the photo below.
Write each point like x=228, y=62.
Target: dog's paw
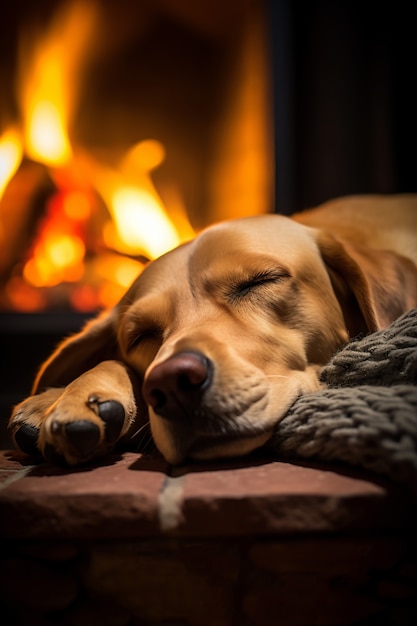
x=80, y=422
x=26, y=420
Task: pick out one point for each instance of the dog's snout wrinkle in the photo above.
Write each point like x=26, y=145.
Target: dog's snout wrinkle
x=174, y=387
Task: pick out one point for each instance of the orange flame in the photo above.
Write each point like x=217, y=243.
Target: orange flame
x=140, y=224
x=58, y=252
x=10, y=156
x=50, y=69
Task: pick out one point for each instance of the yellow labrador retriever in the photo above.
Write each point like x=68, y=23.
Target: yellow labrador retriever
x=215, y=340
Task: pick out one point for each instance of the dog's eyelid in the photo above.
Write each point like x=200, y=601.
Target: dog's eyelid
x=270, y=275
x=138, y=336
x=262, y=277
x=243, y=286
x=138, y=329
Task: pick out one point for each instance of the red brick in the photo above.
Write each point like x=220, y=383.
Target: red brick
x=308, y=599
x=48, y=550
x=24, y=582
x=120, y=496
x=328, y=554
x=98, y=613
x=275, y=497
x=15, y=460
x=168, y=582
x=134, y=496
x=13, y=466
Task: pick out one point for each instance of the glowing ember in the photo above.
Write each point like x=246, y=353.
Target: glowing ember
x=24, y=297
x=59, y=249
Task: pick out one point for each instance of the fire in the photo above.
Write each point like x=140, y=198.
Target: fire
x=56, y=259
x=101, y=221
x=48, y=82
x=58, y=252
x=140, y=223
x=46, y=139
x=10, y=156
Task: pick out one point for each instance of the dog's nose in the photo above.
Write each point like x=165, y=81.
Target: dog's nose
x=174, y=387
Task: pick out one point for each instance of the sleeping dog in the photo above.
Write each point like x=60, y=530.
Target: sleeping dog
x=216, y=339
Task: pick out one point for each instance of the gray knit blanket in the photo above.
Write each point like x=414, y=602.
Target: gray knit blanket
x=366, y=414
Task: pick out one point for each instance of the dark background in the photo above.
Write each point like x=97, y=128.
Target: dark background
x=345, y=99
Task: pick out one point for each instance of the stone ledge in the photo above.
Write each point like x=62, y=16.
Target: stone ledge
x=134, y=496
x=133, y=542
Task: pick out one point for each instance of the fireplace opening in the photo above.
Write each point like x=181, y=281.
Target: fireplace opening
x=128, y=128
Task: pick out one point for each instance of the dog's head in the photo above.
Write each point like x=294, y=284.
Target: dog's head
x=225, y=332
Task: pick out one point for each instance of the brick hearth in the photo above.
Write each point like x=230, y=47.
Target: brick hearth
x=132, y=542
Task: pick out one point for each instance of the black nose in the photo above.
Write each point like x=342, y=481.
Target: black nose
x=174, y=388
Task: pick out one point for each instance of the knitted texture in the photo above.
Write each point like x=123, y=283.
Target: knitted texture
x=367, y=415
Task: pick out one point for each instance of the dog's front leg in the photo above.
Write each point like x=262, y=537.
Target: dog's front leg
x=80, y=421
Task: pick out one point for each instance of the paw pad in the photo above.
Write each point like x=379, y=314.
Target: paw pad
x=113, y=415
x=83, y=436
x=26, y=439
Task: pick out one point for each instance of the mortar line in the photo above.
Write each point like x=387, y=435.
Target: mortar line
x=170, y=501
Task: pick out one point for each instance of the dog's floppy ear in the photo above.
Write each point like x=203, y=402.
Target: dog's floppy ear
x=96, y=342
x=374, y=287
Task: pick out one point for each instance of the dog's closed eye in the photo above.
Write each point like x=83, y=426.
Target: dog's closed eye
x=243, y=287
x=140, y=344
x=139, y=330
x=141, y=336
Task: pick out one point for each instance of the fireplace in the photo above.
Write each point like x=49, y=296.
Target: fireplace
x=129, y=128
x=126, y=128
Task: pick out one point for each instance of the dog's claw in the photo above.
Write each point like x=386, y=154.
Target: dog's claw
x=26, y=438
x=113, y=415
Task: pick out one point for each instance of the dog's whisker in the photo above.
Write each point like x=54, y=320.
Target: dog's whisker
x=144, y=440
x=142, y=428
x=276, y=376
x=147, y=446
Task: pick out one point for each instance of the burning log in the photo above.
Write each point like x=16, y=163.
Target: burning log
x=20, y=209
